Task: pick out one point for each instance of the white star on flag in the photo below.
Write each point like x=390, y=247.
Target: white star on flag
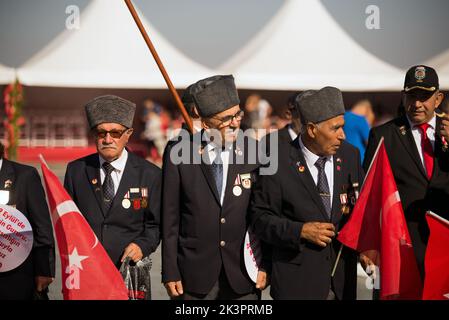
x=75, y=259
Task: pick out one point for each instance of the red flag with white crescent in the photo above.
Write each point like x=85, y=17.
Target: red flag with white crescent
x=378, y=228
x=436, y=281
x=87, y=271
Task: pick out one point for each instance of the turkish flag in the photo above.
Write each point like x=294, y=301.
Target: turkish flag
x=377, y=226
x=436, y=281
x=87, y=271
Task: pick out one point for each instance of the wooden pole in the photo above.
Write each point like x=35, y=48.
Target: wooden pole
x=160, y=65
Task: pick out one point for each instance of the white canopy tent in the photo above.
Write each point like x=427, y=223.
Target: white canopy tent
x=301, y=47
x=7, y=74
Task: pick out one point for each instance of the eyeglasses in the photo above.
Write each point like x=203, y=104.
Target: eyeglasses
x=226, y=120
x=115, y=134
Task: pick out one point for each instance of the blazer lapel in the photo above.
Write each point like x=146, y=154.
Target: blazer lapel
x=297, y=159
x=94, y=179
x=405, y=135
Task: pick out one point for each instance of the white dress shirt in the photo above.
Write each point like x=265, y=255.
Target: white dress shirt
x=311, y=158
x=416, y=132
x=292, y=133
x=119, y=167
x=212, y=152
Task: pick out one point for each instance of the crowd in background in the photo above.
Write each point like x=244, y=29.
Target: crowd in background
x=161, y=123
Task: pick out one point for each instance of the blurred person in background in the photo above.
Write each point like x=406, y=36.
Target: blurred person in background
x=153, y=133
x=358, y=122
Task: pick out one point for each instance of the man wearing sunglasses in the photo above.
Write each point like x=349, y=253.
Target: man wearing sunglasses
x=117, y=192
x=205, y=202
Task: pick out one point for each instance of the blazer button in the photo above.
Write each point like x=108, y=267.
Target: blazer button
x=222, y=243
x=223, y=220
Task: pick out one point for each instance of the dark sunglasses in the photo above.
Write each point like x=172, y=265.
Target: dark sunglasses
x=115, y=134
x=228, y=119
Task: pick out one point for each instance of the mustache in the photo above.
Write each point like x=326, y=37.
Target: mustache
x=108, y=146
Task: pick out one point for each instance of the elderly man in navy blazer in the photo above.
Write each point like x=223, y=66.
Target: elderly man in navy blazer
x=117, y=192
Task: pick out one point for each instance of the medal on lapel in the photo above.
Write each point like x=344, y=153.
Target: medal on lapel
x=246, y=180
x=338, y=164
x=144, y=193
x=344, y=203
x=4, y=194
x=126, y=203
x=8, y=184
x=237, y=190
x=402, y=129
x=135, y=198
x=136, y=204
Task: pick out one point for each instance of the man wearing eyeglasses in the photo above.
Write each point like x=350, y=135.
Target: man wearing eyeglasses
x=205, y=202
x=116, y=191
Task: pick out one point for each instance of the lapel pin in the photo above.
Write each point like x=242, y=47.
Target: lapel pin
x=301, y=168
x=8, y=184
x=402, y=130
x=338, y=160
x=94, y=181
x=338, y=168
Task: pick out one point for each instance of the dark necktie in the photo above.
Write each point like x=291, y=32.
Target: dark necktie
x=427, y=151
x=217, y=170
x=323, y=185
x=108, y=185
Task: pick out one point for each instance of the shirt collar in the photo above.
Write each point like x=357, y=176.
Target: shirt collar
x=118, y=164
x=292, y=132
x=432, y=123
x=1, y=163
x=309, y=156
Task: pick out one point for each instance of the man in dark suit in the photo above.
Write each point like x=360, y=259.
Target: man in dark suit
x=117, y=192
x=22, y=189
x=299, y=209
x=419, y=160
x=206, y=188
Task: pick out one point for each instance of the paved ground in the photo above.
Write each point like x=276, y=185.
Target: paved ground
x=158, y=291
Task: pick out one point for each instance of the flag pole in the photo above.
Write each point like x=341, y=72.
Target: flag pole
x=159, y=64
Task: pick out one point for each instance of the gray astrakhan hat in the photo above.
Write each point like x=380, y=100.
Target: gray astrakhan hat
x=215, y=94
x=110, y=109
x=320, y=105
